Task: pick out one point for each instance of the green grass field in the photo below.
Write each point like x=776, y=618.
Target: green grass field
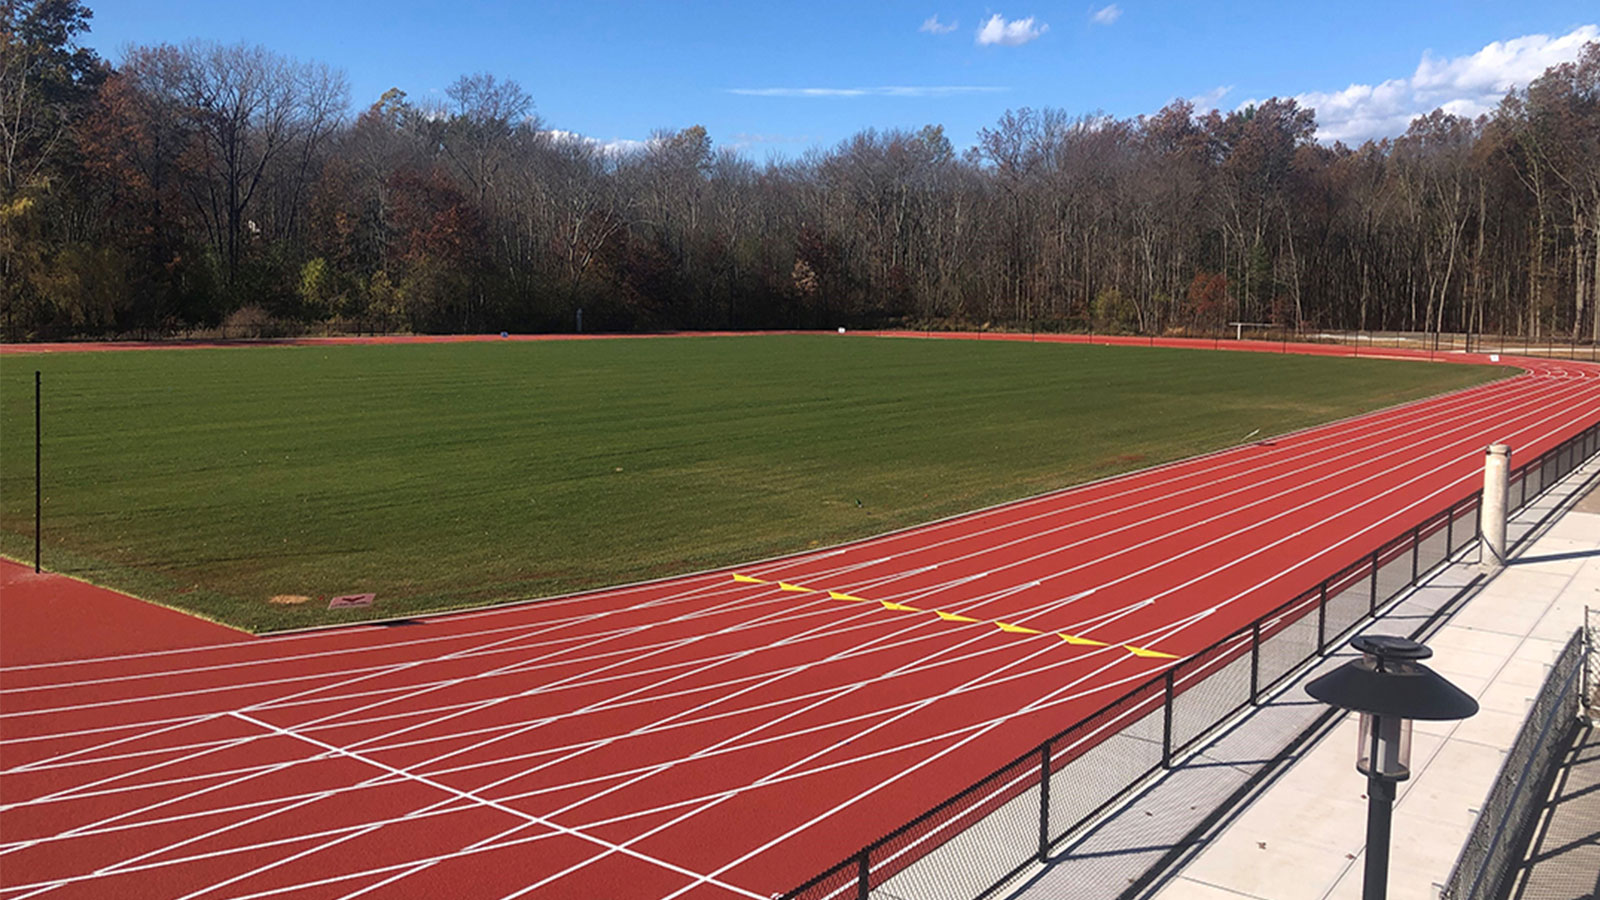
x=450, y=475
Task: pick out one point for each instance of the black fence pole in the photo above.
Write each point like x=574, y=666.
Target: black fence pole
x=864, y=877
x=1416, y=552
x=1255, y=661
x=38, y=491
x=1372, y=603
x=1322, y=618
x=1166, y=725
x=1044, y=802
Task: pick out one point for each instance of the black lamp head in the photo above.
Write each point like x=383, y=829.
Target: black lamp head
x=1387, y=681
x=1389, y=646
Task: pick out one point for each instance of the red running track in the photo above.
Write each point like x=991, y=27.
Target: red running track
x=701, y=737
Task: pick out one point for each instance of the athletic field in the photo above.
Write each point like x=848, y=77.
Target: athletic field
x=448, y=475
x=744, y=732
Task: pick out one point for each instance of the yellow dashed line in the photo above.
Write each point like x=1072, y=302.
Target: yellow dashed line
x=1147, y=654
x=1076, y=641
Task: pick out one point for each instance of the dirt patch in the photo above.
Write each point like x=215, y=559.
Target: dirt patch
x=288, y=599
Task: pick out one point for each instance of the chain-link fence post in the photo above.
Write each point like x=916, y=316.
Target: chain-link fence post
x=1166, y=722
x=1044, y=802
x=1255, y=662
x=1372, y=598
x=1416, y=552
x=1322, y=618
x=1591, y=668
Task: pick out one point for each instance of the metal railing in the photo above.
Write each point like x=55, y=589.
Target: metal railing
x=1494, y=847
x=1545, y=346
x=977, y=841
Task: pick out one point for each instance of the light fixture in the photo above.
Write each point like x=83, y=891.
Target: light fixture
x=1389, y=687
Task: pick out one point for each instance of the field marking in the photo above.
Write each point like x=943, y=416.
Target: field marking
x=276, y=767
x=181, y=722
x=273, y=768
x=456, y=752
x=837, y=695
x=584, y=746
x=503, y=780
x=529, y=818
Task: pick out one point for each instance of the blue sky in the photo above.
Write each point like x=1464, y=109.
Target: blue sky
x=617, y=71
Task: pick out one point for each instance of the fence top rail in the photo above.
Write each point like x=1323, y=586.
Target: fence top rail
x=1160, y=678
x=1084, y=723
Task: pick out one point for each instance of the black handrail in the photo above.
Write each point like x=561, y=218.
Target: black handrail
x=856, y=875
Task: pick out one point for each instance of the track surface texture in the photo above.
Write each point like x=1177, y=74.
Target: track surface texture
x=708, y=736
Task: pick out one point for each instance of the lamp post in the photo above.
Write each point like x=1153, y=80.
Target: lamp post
x=1389, y=687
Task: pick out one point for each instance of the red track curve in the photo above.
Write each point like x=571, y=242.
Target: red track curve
x=700, y=737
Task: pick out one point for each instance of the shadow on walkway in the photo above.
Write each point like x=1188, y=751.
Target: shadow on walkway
x=1564, y=861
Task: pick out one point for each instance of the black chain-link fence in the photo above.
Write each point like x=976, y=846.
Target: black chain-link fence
x=1545, y=346
x=1494, y=847
x=981, y=839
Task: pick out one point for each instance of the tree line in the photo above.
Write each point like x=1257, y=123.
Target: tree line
x=198, y=185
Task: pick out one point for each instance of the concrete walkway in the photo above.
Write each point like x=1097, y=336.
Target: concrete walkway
x=1303, y=839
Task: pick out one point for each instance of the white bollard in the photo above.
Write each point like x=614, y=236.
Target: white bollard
x=1492, y=520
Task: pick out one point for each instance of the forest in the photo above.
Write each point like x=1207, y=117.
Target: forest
x=200, y=186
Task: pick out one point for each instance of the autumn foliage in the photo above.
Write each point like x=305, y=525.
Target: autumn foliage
x=194, y=181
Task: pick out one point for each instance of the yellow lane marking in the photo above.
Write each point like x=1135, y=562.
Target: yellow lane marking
x=1144, y=652
x=1147, y=654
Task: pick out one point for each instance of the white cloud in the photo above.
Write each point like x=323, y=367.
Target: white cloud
x=1500, y=65
x=618, y=146
x=950, y=90
x=1464, y=85
x=934, y=26
x=1208, y=100
x=745, y=140
x=1106, y=15
x=1009, y=34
